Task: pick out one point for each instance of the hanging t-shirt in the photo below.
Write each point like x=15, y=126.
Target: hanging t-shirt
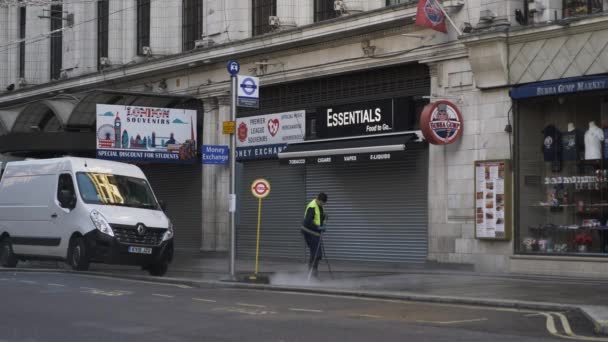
x=594, y=141
x=573, y=145
x=552, y=143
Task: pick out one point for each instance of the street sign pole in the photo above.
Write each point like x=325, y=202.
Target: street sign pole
x=232, y=205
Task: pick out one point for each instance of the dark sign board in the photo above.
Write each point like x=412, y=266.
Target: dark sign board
x=373, y=117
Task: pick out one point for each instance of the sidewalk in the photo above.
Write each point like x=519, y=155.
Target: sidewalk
x=417, y=282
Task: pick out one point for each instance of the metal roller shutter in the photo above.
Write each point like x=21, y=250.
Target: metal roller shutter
x=180, y=186
x=377, y=211
x=282, y=211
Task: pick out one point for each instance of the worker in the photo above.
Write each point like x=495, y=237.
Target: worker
x=312, y=228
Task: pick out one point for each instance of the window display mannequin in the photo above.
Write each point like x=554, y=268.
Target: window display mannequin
x=552, y=147
x=572, y=143
x=594, y=138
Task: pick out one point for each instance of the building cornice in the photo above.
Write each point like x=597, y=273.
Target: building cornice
x=332, y=30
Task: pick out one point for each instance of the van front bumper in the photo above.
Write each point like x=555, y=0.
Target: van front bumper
x=107, y=249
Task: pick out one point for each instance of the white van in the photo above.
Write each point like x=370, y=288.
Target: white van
x=81, y=211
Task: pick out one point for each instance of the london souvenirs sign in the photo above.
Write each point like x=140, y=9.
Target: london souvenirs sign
x=441, y=123
x=264, y=136
x=147, y=134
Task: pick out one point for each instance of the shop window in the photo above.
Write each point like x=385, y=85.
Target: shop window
x=581, y=7
x=262, y=11
x=143, y=25
x=22, y=19
x=324, y=10
x=56, y=41
x=192, y=23
x=562, y=175
x=103, y=14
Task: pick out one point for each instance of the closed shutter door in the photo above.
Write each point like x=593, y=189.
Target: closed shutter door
x=282, y=211
x=180, y=187
x=377, y=211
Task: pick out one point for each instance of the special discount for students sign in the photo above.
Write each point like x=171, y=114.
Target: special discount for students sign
x=148, y=134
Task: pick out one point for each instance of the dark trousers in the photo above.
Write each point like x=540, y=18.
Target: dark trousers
x=315, y=247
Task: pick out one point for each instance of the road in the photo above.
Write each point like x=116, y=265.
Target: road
x=73, y=307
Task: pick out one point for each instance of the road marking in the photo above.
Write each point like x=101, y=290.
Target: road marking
x=251, y=305
x=454, y=322
x=104, y=293
x=365, y=316
x=4, y=279
x=183, y=286
x=304, y=310
x=58, y=285
x=89, y=288
x=565, y=323
x=162, y=295
x=551, y=328
x=253, y=312
x=28, y=281
x=205, y=300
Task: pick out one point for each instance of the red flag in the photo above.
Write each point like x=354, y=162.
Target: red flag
x=431, y=15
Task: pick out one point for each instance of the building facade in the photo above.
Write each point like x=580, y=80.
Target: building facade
x=314, y=57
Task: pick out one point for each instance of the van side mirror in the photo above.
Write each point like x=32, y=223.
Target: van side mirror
x=67, y=199
x=163, y=205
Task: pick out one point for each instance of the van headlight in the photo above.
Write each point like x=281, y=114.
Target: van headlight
x=101, y=223
x=169, y=233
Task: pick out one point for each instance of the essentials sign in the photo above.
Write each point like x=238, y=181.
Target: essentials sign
x=264, y=136
x=356, y=119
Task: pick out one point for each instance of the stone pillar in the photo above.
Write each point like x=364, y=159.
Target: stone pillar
x=122, y=31
x=286, y=11
x=165, y=27
x=210, y=134
x=227, y=20
x=223, y=182
x=355, y=6
x=4, y=40
x=304, y=13
x=80, y=42
x=216, y=178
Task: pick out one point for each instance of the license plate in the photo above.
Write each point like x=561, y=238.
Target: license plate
x=140, y=250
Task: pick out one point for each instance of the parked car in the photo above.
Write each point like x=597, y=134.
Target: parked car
x=81, y=211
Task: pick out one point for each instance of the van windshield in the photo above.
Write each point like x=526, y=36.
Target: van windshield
x=108, y=189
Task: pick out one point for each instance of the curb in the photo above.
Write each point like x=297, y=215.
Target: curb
x=590, y=312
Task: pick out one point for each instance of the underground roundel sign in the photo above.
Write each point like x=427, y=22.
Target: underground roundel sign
x=260, y=188
x=441, y=123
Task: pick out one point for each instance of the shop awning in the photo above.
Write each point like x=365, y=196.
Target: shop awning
x=560, y=87
x=348, y=150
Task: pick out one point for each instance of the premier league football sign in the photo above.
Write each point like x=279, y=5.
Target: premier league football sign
x=441, y=123
x=146, y=134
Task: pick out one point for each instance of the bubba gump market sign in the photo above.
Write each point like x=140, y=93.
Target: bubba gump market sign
x=441, y=123
x=264, y=136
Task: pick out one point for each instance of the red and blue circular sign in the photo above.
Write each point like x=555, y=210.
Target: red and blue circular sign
x=441, y=123
x=248, y=85
x=260, y=188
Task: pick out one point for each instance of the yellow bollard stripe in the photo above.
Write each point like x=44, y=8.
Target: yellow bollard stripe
x=257, y=242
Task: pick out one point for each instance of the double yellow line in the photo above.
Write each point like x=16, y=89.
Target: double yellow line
x=568, y=333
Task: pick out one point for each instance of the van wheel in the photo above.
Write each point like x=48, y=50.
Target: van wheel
x=78, y=255
x=158, y=270
x=7, y=257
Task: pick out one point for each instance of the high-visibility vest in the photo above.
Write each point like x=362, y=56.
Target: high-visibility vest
x=317, y=219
